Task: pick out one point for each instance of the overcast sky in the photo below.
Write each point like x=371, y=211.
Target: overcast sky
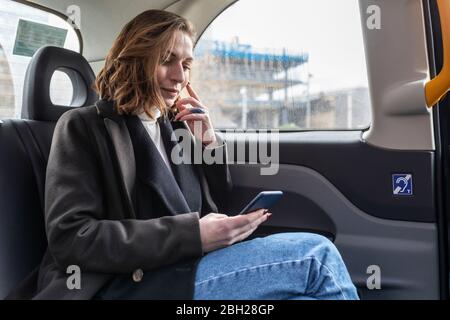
x=328, y=30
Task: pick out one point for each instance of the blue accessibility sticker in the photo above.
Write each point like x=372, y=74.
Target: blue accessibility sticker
x=402, y=184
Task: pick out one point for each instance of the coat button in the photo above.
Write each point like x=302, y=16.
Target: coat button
x=138, y=275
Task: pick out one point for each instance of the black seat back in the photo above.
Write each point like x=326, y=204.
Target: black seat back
x=24, y=149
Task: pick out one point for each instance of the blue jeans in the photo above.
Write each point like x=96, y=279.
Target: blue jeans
x=283, y=266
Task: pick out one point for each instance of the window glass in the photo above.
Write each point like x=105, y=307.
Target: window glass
x=288, y=65
x=23, y=29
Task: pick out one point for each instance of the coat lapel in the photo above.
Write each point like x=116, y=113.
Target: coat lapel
x=152, y=170
x=132, y=144
x=187, y=178
x=121, y=142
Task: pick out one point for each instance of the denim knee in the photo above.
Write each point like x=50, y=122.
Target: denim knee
x=324, y=256
x=309, y=241
x=301, y=245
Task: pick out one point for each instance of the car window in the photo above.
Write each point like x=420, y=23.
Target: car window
x=288, y=65
x=23, y=29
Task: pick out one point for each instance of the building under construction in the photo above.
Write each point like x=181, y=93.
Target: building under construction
x=238, y=82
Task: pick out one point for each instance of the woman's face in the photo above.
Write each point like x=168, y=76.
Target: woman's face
x=173, y=74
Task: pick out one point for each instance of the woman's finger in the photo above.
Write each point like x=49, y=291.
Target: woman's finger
x=251, y=226
x=191, y=91
x=242, y=220
x=244, y=235
x=194, y=116
x=227, y=240
x=241, y=227
x=189, y=100
x=221, y=215
x=181, y=106
x=187, y=111
x=182, y=113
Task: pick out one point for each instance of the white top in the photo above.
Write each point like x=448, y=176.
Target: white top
x=153, y=129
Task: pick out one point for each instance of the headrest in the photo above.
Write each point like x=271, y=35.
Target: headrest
x=37, y=104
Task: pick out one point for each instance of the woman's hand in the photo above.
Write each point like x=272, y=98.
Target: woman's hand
x=219, y=230
x=196, y=113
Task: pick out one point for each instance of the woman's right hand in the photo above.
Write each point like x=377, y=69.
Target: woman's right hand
x=219, y=230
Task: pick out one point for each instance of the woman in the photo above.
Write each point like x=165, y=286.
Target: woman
x=135, y=224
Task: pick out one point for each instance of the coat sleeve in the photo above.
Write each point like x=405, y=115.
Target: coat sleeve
x=81, y=232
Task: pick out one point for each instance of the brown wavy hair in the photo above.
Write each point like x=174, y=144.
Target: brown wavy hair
x=129, y=74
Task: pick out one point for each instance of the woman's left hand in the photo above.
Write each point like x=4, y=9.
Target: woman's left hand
x=197, y=112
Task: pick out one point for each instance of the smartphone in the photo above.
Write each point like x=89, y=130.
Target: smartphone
x=264, y=199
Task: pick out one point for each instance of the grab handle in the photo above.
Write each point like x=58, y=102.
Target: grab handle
x=436, y=88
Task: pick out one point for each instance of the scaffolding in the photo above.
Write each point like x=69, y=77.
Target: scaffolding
x=239, y=81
